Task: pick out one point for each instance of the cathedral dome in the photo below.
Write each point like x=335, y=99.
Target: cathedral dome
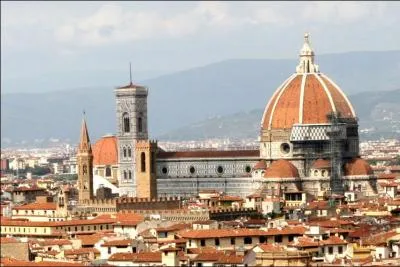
x=306, y=97
x=281, y=169
x=105, y=151
x=357, y=166
x=321, y=164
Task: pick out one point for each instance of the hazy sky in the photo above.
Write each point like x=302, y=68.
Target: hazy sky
x=39, y=39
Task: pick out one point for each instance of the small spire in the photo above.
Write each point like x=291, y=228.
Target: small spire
x=84, y=142
x=130, y=73
x=306, y=64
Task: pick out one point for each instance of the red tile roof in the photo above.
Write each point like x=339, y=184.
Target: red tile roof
x=136, y=257
x=105, y=151
x=321, y=164
x=261, y=165
x=358, y=166
x=117, y=243
x=281, y=169
x=37, y=206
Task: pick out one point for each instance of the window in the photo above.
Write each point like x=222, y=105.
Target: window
x=108, y=171
x=190, y=242
x=192, y=169
x=76, y=228
x=88, y=228
x=290, y=238
x=248, y=169
x=142, y=162
x=126, y=123
x=248, y=240
x=278, y=239
x=129, y=152
x=164, y=170
x=262, y=239
x=109, y=250
x=81, y=228
x=330, y=250
x=340, y=250
x=125, y=175
x=220, y=169
x=202, y=242
x=139, y=124
x=285, y=148
x=94, y=227
x=124, y=152
x=130, y=175
x=217, y=241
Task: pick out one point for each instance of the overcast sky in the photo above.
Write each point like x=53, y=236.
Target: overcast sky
x=42, y=38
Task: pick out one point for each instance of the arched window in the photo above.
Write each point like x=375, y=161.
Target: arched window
x=125, y=122
x=124, y=152
x=143, y=162
x=139, y=124
x=130, y=175
x=129, y=152
x=108, y=171
x=125, y=175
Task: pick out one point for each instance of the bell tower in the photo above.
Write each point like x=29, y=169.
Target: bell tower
x=131, y=111
x=85, y=165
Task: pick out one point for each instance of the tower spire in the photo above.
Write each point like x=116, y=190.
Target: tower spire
x=306, y=64
x=84, y=143
x=130, y=73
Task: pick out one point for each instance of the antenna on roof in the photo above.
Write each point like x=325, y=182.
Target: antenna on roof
x=130, y=73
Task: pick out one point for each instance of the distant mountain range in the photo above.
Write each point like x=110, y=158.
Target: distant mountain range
x=374, y=110
x=184, y=100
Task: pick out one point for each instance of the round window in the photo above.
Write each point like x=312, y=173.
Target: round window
x=192, y=169
x=248, y=169
x=164, y=170
x=285, y=148
x=220, y=169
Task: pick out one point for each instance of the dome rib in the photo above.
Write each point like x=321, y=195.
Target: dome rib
x=327, y=92
x=269, y=109
x=303, y=84
x=353, y=113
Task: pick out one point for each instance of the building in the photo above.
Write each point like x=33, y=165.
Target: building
x=308, y=144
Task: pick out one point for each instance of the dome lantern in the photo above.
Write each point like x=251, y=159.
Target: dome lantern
x=306, y=64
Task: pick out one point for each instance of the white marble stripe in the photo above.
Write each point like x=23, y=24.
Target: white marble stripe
x=303, y=83
x=291, y=78
x=270, y=100
x=341, y=92
x=327, y=92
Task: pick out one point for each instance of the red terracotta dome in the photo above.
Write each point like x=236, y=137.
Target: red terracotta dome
x=321, y=164
x=105, y=151
x=260, y=165
x=306, y=97
x=281, y=169
x=357, y=166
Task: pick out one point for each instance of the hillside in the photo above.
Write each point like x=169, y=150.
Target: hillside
x=379, y=110
x=187, y=97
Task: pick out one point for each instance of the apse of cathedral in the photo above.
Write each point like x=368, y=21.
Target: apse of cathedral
x=309, y=144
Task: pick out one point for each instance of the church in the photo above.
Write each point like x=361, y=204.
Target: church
x=308, y=143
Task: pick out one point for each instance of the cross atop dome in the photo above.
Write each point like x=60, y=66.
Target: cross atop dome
x=306, y=64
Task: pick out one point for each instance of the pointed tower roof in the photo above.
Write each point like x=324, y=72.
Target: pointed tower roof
x=84, y=143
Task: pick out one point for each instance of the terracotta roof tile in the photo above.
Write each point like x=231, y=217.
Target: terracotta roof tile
x=105, y=151
x=281, y=169
x=37, y=206
x=321, y=164
x=358, y=166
